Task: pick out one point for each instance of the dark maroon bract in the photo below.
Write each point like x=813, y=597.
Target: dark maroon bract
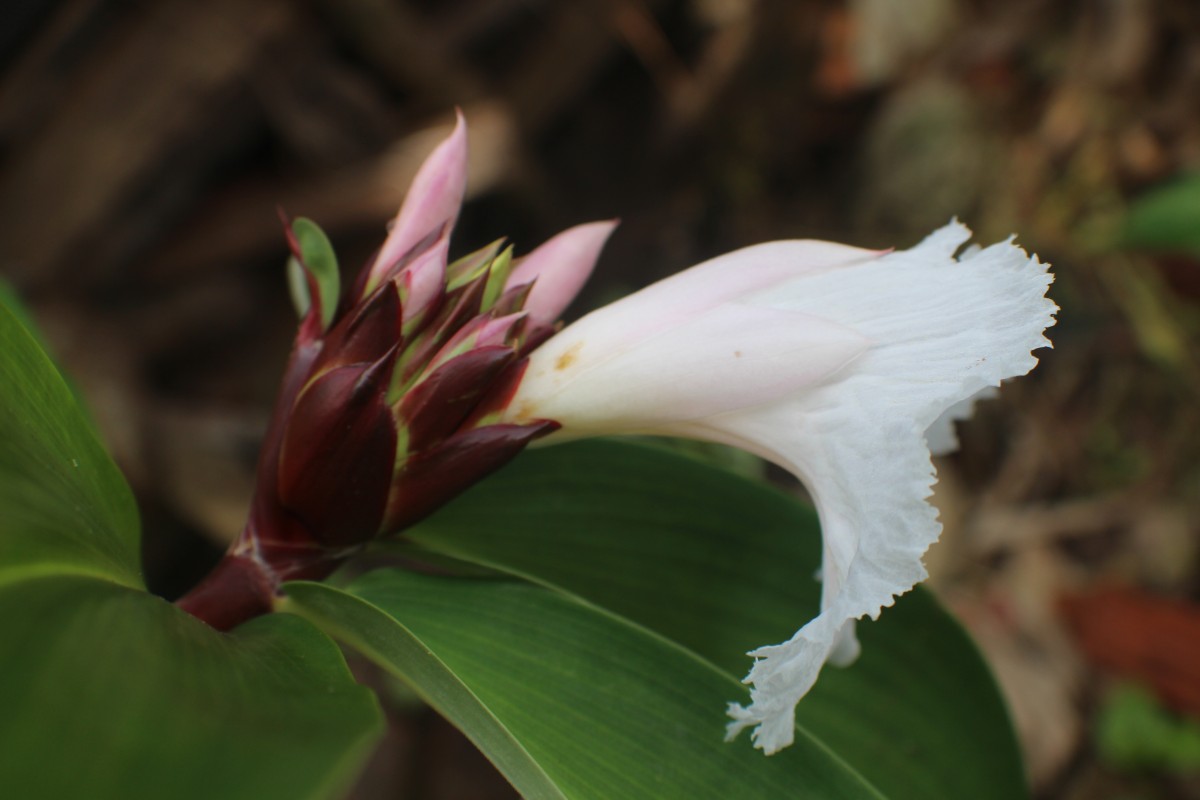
x=391, y=398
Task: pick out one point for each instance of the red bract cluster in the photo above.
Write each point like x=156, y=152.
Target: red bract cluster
x=377, y=424
x=391, y=399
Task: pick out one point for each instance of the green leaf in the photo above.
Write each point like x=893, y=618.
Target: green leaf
x=64, y=506
x=109, y=692
x=568, y=700
x=721, y=565
x=10, y=298
x=471, y=266
x=12, y=301
x=498, y=272
x=317, y=256
x=1166, y=218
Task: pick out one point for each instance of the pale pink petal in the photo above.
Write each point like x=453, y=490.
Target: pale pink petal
x=424, y=279
x=737, y=274
x=760, y=354
x=560, y=267
x=432, y=203
x=623, y=326
x=496, y=331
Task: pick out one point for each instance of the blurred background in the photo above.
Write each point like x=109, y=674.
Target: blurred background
x=145, y=147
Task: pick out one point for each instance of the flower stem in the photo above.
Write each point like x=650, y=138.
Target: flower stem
x=237, y=589
x=245, y=583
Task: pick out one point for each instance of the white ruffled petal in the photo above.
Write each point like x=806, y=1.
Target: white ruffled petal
x=941, y=331
x=941, y=436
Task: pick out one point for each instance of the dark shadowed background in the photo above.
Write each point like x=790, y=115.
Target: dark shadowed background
x=145, y=147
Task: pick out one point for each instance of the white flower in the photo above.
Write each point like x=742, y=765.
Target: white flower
x=831, y=361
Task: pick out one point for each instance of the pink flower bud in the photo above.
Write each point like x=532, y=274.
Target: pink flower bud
x=431, y=205
x=559, y=268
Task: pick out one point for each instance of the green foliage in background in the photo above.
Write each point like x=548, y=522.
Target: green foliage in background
x=1135, y=732
x=1165, y=219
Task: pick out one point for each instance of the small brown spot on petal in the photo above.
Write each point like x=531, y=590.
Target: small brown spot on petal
x=568, y=358
x=524, y=412
x=737, y=353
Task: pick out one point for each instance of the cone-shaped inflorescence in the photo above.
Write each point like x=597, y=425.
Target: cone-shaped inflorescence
x=388, y=408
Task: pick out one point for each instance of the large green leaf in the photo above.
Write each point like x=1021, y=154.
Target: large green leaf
x=109, y=692
x=720, y=565
x=64, y=506
x=568, y=700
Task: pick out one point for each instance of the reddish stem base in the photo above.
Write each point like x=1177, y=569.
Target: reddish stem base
x=240, y=588
x=236, y=590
